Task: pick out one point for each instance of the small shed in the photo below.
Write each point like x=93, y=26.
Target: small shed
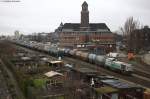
x=125, y=89
x=55, y=78
x=83, y=74
x=55, y=64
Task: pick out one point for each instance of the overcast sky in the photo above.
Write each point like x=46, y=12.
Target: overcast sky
x=30, y=16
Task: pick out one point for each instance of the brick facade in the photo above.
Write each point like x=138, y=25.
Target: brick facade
x=75, y=35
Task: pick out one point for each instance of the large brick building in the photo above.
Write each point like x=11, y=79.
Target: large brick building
x=84, y=34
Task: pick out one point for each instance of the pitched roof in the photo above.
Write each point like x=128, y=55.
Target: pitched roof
x=71, y=26
x=92, y=26
x=84, y=3
x=85, y=70
x=120, y=84
x=98, y=26
x=52, y=73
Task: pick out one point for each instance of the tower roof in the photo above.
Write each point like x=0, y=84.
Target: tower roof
x=61, y=24
x=84, y=3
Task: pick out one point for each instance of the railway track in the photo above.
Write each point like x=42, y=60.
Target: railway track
x=140, y=69
x=137, y=78
x=142, y=73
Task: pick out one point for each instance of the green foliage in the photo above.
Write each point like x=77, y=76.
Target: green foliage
x=61, y=97
x=39, y=83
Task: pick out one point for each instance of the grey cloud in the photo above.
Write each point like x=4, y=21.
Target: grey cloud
x=45, y=15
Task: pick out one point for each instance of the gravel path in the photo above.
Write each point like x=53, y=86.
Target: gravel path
x=13, y=81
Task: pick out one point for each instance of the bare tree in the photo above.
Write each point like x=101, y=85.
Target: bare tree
x=129, y=26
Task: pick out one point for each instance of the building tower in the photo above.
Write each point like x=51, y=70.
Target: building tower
x=85, y=15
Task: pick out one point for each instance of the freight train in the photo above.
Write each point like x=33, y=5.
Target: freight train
x=99, y=60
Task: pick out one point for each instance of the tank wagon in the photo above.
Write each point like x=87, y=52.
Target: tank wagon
x=100, y=60
x=91, y=58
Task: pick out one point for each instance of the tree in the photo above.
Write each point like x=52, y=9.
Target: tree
x=129, y=26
